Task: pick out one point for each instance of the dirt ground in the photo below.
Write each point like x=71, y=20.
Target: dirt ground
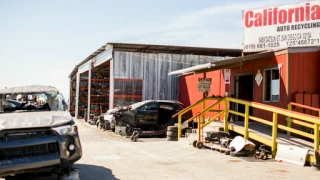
x=108, y=156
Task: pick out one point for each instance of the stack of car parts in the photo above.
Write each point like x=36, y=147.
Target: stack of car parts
x=241, y=147
x=101, y=123
x=263, y=153
x=94, y=120
x=134, y=136
x=216, y=140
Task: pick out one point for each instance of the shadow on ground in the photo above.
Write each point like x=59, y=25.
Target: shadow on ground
x=88, y=172
x=252, y=159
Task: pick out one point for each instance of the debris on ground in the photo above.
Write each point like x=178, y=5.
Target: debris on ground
x=263, y=153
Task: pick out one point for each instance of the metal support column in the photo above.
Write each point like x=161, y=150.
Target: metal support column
x=89, y=91
x=77, y=95
x=111, y=85
x=70, y=93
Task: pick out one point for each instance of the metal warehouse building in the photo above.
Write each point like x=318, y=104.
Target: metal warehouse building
x=122, y=74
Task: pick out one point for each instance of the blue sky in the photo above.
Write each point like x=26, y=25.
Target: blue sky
x=42, y=40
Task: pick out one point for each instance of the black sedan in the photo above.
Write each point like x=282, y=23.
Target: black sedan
x=151, y=117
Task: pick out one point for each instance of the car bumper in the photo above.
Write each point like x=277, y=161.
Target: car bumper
x=57, y=161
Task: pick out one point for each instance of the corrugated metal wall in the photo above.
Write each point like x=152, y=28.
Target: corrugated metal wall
x=304, y=73
x=153, y=69
x=304, y=80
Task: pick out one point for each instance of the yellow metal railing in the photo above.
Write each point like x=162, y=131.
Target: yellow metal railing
x=189, y=108
x=304, y=124
x=302, y=119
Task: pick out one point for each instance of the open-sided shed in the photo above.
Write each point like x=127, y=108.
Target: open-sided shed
x=121, y=74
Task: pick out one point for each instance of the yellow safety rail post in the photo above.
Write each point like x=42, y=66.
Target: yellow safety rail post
x=316, y=137
x=199, y=127
x=203, y=108
x=246, y=122
x=289, y=119
x=225, y=123
x=274, y=133
x=179, y=125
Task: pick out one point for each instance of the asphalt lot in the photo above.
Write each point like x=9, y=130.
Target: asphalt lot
x=108, y=156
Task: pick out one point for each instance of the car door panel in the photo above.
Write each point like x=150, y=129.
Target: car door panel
x=147, y=115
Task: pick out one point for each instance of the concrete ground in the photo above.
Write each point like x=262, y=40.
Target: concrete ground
x=108, y=156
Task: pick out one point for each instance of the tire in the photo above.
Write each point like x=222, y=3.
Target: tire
x=195, y=143
x=172, y=128
x=199, y=145
x=172, y=134
x=169, y=138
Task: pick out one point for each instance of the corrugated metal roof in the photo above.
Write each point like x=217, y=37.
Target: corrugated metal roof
x=102, y=48
x=152, y=48
x=28, y=89
x=238, y=61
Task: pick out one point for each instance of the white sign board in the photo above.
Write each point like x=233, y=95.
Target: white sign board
x=204, y=84
x=227, y=74
x=258, y=78
x=295, y=25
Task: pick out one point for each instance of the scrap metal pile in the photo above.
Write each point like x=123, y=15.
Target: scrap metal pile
x=238, y=146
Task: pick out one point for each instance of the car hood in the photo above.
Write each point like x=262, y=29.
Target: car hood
x=19, y=120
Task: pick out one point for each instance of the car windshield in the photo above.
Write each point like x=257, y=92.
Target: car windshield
x=46, y=101
x=136, y=105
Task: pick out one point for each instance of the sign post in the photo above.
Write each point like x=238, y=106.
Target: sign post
x=227, y=74
x=204, y=84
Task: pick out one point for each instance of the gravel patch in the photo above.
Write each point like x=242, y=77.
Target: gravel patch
x=90, y=132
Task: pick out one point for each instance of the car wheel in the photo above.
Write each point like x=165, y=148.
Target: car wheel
x=199, y=145
x=194, y=143
x=97, y=123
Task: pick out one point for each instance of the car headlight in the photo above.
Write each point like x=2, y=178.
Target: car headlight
x=66, y=130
